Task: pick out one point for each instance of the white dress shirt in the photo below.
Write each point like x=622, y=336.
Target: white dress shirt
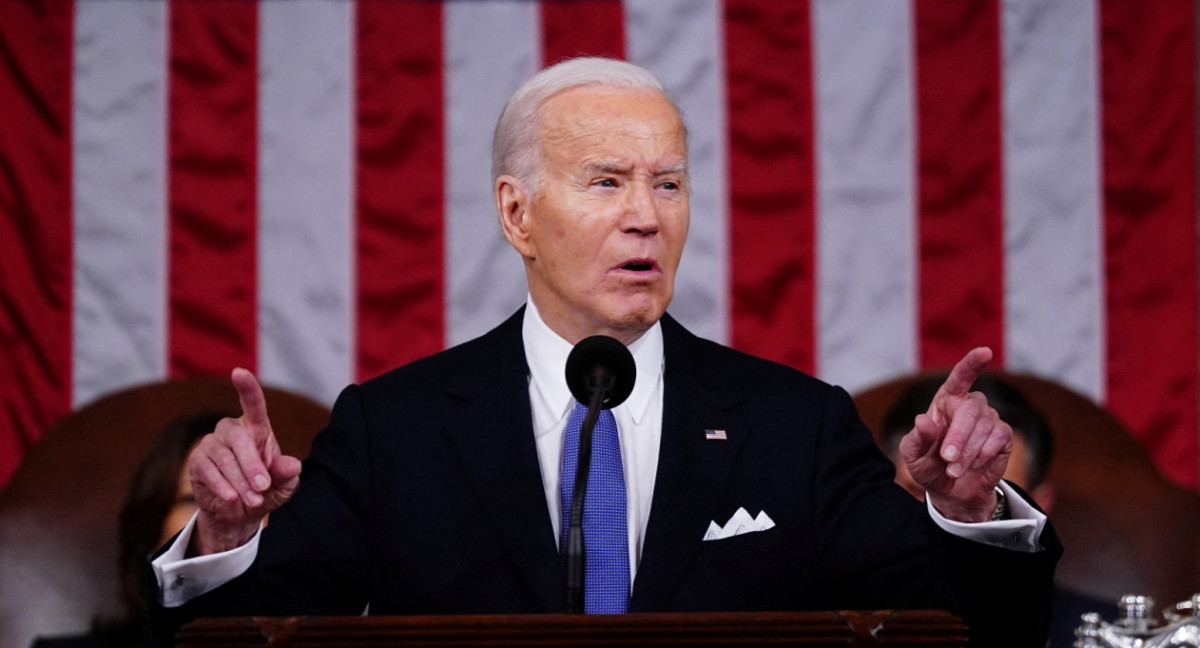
x=639, y=425
x=639, y=421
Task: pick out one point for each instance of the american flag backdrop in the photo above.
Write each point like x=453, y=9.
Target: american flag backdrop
x=302, y=188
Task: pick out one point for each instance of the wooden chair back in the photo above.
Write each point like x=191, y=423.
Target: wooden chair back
x=58, y=515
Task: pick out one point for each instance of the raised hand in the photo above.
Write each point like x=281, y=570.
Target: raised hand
x=238, y=473
x=958, y=450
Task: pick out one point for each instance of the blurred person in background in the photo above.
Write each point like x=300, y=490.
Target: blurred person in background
x=157, y=505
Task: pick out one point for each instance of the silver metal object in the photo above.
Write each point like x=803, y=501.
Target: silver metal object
x=1137, y=626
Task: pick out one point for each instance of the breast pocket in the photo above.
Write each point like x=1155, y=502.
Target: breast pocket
x=747, y=546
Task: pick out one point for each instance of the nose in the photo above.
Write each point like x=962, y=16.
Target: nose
x=640, y=215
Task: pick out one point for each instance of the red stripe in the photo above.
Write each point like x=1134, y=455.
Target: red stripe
x=401, y=283
x=1148, y=79
x=961, y=233
x=771, y=179
x=35, y=223
x=582, y=28
x=213, y=168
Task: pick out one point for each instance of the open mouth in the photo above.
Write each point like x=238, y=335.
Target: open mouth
x=638, y=266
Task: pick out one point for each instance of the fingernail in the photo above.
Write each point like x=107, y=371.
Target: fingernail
x=261, y=482
x=949, y=453
x=954, y=470
x=254, y=499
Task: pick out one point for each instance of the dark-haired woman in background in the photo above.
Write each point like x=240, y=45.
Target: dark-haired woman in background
x=157, y=505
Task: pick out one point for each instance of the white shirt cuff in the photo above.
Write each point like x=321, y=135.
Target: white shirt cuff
x=1022, y=532
x=182, y=579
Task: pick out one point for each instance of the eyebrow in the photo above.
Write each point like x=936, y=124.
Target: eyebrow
x=605, y=166
x=674, y=169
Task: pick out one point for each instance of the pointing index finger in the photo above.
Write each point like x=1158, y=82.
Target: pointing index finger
x=250, y=396
x=959, y=382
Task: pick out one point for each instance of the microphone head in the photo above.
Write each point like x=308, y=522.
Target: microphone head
x=598, y=360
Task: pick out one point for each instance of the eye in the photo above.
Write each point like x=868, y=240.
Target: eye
x=605, y=182
x=670, y=185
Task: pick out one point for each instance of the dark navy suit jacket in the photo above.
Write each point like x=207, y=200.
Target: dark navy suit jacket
x=424, y=496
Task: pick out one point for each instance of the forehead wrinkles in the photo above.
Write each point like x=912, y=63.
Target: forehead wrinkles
x=596, y=117
x=599, y=130
x=605, y=147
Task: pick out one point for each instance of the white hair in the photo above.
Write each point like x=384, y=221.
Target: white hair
x=515, y=144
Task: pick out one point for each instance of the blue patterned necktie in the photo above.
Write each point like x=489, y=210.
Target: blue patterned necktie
x=606, y=544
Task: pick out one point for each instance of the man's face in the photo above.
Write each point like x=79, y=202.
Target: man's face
x=604, y=227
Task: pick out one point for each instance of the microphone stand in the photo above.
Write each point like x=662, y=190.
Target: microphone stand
x=601, y=383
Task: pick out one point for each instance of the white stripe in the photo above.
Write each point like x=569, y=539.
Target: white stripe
x=305, y=196
x=682, y=42
x=1053, y=219
x=490, y=49
x=119, y=193
x=866, y=206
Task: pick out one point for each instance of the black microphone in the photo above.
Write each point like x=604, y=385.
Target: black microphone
x=601, y=373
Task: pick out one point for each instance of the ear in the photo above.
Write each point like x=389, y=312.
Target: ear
x=512, y=207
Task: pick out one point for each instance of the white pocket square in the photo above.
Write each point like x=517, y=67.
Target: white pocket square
x=740, y=523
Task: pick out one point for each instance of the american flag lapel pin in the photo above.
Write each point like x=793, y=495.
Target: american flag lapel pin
x=715, y=435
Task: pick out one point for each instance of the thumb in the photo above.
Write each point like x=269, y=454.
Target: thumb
x=285, y=478
x=921, y=439
x=284, y=468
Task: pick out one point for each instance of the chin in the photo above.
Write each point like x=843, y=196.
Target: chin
x=631, y=313
x=638, y=319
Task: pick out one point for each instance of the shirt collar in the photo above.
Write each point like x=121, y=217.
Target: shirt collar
x=547, y=354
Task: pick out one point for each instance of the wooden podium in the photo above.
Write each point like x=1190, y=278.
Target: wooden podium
x=909, y=628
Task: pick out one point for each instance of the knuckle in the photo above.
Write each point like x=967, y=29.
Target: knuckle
x=228, y=430
x=199, y=472
x=207, y=443
x=230, y=467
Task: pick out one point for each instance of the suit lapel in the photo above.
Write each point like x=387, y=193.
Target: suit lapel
x=692, y=470
x=491, y=431
x=492, y=434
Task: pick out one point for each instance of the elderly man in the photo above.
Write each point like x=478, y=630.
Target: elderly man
x=436, y=487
